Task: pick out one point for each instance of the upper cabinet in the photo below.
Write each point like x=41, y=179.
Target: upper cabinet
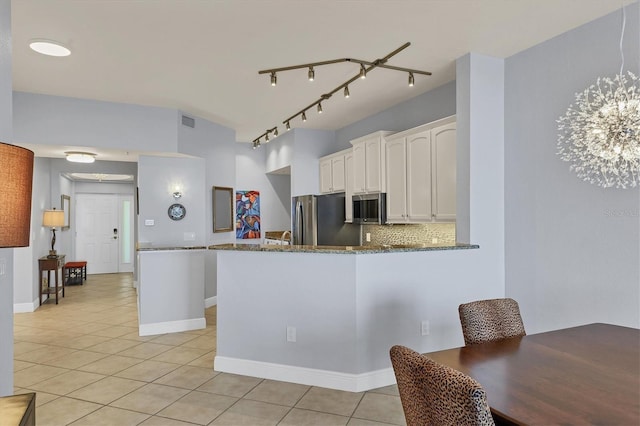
x=443, y=173
x=369, y=163
x=332, y=173
x=421, y=173
x=348, y=190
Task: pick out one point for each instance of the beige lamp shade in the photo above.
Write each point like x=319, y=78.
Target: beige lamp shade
x=53, y=218
x=16, y=177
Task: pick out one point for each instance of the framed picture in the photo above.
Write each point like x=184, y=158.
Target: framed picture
x=222, y=209
x=247, y=214
x=65, y=205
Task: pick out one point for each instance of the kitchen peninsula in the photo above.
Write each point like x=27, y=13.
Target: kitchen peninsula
x=327, y=315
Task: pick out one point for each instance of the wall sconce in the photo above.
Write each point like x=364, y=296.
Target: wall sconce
x=16, y=177
x=51, y=219
x=177, y=193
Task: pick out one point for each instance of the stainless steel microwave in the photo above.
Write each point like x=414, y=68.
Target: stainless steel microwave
x=370, y=208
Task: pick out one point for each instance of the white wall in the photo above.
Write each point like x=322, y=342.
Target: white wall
x=157, y=177
x=6, y=255
x=572, y=248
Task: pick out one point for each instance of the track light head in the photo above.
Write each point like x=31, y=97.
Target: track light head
x=411, y=79
x=304, y=116
x=319, y=107
x=363, y=72
x=287, y=126
x=346, y=92
x=274, y=79
x=275, y=133
x=266, y=137
x=312, y=74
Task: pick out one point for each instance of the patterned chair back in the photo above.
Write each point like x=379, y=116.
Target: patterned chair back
x=490, y=320
x=434, y=394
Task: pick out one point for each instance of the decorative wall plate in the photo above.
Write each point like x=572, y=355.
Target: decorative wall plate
x=176, y=211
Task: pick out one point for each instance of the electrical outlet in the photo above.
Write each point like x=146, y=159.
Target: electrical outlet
x=424, y=328
x=291, y=334
x=368, y=236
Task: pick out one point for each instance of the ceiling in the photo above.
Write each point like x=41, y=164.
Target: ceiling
x=203, y=56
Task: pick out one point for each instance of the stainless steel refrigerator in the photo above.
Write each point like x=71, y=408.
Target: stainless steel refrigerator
x=318, y=220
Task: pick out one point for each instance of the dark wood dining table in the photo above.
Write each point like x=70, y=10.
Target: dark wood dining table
x=581, y=375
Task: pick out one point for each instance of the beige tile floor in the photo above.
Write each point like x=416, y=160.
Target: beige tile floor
x=88, y=366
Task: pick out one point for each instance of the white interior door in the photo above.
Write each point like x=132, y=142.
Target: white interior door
x=99, y=232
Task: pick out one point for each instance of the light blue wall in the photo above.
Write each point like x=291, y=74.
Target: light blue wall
x=572, y=248
x=57, y=120
x=157, y=177
x=6, y=255
x=216, y=145
x=430, y=106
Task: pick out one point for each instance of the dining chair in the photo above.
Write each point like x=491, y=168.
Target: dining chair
x=434, y=394
x=490, y=320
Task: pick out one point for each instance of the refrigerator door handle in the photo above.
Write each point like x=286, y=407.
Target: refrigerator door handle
x=297, y=228
x=300, y=217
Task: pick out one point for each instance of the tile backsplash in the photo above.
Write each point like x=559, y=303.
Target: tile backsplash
x=425, y=233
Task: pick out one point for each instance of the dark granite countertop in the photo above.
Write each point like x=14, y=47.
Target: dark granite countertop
x=171, y=248
x=343, y=249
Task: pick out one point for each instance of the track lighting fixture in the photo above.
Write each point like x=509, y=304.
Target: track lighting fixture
x=365, y=67
x=266, y=137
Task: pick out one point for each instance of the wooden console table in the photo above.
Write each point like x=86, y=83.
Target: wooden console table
x=49, y=264
x=18, y=410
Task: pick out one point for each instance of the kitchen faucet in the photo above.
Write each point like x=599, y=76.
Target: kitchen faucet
x=284, y=234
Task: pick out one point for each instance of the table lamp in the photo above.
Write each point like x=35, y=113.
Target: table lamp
x=52, y=218
x=16, y=176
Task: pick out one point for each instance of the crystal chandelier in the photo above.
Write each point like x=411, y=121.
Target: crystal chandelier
x=600, y=135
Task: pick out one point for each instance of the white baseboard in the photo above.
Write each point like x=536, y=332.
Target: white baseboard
x=306, y=376
x=171, y=326
x=19, y=308
x=210, y=301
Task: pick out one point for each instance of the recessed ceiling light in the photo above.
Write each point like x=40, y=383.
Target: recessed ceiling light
x=48, y=47
x=80, y=157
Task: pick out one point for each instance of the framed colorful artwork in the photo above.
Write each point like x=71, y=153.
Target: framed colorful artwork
x=247, y=214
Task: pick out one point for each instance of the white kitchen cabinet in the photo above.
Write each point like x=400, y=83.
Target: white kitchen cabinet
x=348, y=187
x=332, y=178
x=369, y=163
x=443, y=163
x=420, y=173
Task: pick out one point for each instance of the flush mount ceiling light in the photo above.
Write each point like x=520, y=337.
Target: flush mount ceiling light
x=364, y=68
x=600, y=135
x=49, y=47
x=80, y=157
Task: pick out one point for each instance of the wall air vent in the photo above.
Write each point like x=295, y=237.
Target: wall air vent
x=188, y=121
